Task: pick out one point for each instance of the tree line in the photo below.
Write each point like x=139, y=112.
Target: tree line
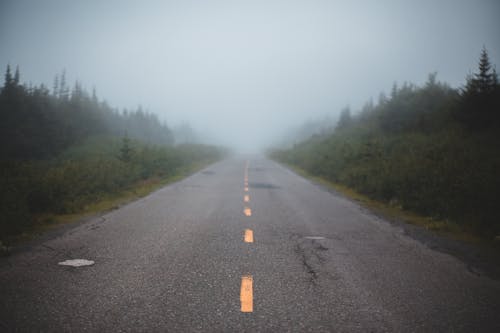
x=430, y=149
x=63, y=149
x=39, y=123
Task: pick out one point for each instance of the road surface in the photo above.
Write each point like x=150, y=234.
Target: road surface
x=244, y=245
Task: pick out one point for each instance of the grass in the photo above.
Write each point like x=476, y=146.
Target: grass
x=109, y=202
x=394, y=212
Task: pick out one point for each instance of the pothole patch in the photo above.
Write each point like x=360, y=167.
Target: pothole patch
x=77, y=262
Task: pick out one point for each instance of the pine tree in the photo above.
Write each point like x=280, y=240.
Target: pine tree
x=431, y=80
x=484, y=81
x=77, y=93
x=95, y=100
x=126, y=150
x=55, y=89
x=10, y=84
x=8, y=78
x=63, y=89
x=345, y=119
x=480, y=97
x=394, y=90
x=17, y=77
x=485, y=76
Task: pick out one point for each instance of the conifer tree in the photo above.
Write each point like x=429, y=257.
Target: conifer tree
x=55, y=89
x=10, y=84
x=345, y=118
x=17, y=76
x=63, y=89
x=8, y=78
x=95, y=100
x=126, y=150
x=484, y=81
x=479, y=97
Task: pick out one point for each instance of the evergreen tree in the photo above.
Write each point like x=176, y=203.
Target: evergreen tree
x=394, y=90
x=485, y=76
x=126, y=150
x=77, y=93
x=11, y=85
x=431, y=80
x=345, y=119
x=63, y=89
x=8, y=78
x=95, y=100
x=480, y=96
x=17, y=76
x=55, y=89
x=485, y=80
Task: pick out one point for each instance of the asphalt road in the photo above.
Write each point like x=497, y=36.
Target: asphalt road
x=175, y=261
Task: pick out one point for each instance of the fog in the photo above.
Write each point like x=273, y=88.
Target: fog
x=243, y=72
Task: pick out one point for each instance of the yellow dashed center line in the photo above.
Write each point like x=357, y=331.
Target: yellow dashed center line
x=247, y=211
x=246, y=293
x=248, y=236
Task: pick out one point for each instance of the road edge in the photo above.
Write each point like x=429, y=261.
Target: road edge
x=480, y=257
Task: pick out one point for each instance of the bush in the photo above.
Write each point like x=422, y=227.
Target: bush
x=410, y=150
x=85, y=174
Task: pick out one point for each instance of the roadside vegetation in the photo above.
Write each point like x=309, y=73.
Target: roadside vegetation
x=429, y=149
x=63, y=150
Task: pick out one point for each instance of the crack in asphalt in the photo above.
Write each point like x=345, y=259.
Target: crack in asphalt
x=308, y=252
x=309, y=268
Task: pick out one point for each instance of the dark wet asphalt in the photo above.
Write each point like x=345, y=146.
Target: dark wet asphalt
x=173, y=261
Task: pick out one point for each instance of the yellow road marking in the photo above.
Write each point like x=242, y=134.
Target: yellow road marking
x=248, y=236
x=247, y=211
x=246, y=293
x=246, y=198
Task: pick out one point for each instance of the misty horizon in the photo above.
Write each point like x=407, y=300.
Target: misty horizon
x=242, y=73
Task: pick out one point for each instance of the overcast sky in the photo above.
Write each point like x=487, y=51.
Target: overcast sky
x=242, y=71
